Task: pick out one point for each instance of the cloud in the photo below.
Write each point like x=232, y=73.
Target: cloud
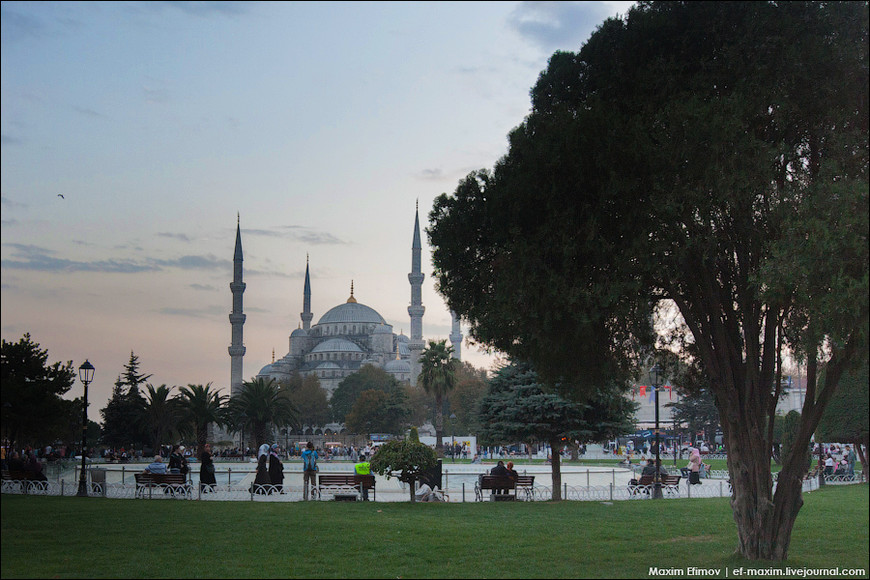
x=11, y=203
x=87, y=112
x=38, y=259
x=207, y=312
x=557, y=25
x=203, y=9
x=35, y=258
x=16, y=26
x=9, y=140
x=299, y=233
x=432, y=174
x=197, y=263
x=204, y=287
x=182, y=237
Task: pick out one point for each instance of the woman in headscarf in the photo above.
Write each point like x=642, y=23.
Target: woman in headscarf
x=262, y=482
x=276, y=469
x=207, y=479
x=694, y=466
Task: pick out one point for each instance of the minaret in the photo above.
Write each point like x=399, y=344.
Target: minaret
x=416, y=309
x=456, y=337
x=306, y=299
x=237, y=317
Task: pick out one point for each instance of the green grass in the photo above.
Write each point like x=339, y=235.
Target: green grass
x=54, y=537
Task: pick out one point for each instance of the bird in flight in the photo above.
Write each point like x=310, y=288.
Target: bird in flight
x=60, y=195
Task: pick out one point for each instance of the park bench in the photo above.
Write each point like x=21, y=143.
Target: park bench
x=26, y=481
x=344, y=486
x=494, y=483
x=670, y=485
x=174, y=484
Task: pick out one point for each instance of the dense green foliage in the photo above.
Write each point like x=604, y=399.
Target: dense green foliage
x=405, y=459
x=200, y=406
x=124, y=416
x=32, y=408
x=438, y=377
x=379, y=412
x=259, y=407
x=309, y=399
x=518, y=408
x=161, y=414
x=368, y=377
x=847, y=416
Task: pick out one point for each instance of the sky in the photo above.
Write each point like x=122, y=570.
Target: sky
x=136, y=134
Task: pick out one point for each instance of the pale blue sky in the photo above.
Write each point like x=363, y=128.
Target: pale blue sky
x=321, y=124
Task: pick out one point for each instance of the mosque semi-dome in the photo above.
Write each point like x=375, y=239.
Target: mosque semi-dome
x=336, y=345
x=398, y=366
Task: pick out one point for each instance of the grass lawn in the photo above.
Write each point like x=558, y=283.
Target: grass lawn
x=69, y=537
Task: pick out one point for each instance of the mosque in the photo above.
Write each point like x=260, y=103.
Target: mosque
x=345, y=338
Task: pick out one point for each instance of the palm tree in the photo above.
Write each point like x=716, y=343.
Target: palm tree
x=260, y=406
x=161, y=414
x=199, y=407
x=438, y=377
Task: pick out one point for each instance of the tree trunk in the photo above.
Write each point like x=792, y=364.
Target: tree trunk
x=764, y=521
x=555, y=462
x=413, y=495
x=439, y=426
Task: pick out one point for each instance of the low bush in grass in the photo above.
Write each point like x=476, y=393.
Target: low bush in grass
x=98, y=538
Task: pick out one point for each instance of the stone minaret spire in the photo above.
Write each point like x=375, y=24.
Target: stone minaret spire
x=416, y=309
x=456, y=337
x=306, y=299
x=237, y=316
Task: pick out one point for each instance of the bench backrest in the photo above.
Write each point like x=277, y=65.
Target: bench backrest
x=665, y=480
x=526, y=481
x=351, y=479
x=145, y=478
x=497, y=482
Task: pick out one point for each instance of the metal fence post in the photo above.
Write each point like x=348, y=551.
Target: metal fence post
x=463, y=492
x=611, y=492
x=565, y=492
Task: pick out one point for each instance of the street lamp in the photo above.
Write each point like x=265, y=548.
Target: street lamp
x=655, y=377
x=86, y=375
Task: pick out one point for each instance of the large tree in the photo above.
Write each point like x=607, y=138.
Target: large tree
x=198, y=407
x=124, y=420
x=438, y=378
x=712, y=154
x=351, y=387
x=378, y=412
x=161, y=414
x=518, y=408
x=259, y=407
x=309, y=398
x=33, y=411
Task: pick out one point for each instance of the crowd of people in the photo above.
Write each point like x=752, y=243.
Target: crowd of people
x=835, y=461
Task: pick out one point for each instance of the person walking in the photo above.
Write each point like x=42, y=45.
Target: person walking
x=207, y=479
x=309, y=469
x=276, y=470
x=363, y=468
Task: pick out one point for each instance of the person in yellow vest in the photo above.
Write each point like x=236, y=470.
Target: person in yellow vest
x=363, y=468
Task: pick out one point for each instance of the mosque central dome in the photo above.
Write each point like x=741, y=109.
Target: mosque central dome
x=351, y=312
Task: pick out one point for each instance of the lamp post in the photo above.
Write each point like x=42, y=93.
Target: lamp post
x=655, y=375
x=86, y=375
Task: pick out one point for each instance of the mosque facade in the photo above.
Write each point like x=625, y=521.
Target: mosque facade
x=345, y=338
